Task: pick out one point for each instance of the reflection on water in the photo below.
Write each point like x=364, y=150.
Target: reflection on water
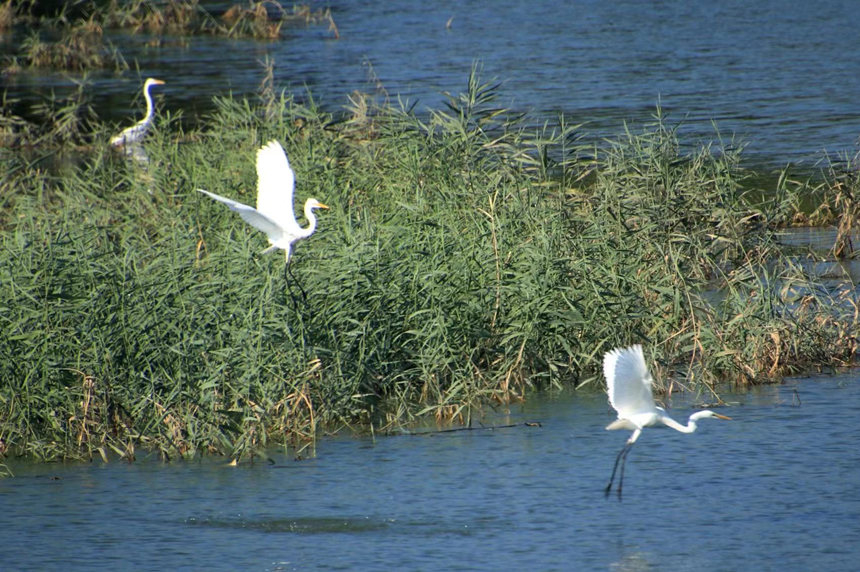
x=769, y=73
x=775, y=488
x=301, y=525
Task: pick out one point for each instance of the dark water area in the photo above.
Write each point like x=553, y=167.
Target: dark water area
x=774, y=489
x=780, y=76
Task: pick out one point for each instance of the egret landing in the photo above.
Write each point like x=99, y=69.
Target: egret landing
x=628, y=383
x=274, y=213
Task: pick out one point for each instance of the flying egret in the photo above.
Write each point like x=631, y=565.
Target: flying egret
x=274, y=212
x=628, y=384
x=137, y=131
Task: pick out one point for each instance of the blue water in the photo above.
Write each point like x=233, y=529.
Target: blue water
x=781, y=76
x=774, y=489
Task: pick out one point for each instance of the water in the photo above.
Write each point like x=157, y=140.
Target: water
x=780, y=75
x=775, y=489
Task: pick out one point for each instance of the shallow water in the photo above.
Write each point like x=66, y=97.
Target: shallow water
x=775, y=489
x=779, y=74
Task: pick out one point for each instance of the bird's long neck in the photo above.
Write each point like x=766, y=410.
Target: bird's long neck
x=150, y=109
x=312, y=220
x=688, y=428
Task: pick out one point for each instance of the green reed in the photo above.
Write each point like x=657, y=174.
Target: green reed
x=468, y=258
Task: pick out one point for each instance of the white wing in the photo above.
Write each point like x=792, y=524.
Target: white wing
x=628, y=381
x=275, y=184
x=252, y=216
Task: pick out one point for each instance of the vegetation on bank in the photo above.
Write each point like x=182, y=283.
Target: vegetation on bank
x=467, y=259
x=72, y=36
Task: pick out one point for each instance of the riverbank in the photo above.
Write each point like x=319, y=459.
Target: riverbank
x=466, y=259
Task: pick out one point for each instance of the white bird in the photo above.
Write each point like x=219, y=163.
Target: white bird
x=628, y=384
x=274, y=212
x=137, y=131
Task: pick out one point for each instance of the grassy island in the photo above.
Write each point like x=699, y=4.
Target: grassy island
x=469, y=257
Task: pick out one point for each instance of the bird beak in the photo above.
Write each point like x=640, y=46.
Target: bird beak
x=322, y=206
x=158, y=82
x=718, y=416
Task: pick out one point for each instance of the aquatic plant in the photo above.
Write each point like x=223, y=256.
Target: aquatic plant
x=7, y=15
x=253, y=21
x=172, y=17
x=468, y=258
x=69, y=119
x=13, y=128
x=80, y=47
x=262, y=20
x=839, y=204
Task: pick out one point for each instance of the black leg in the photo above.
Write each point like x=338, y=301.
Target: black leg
x=622, y=458
x=289, y=270
x=623, y=464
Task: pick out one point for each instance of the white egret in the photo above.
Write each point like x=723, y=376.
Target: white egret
x=628, y=383
x=274, y=212
x=137, y=131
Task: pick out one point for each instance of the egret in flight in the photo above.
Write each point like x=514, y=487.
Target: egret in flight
x=274, y=212
x=628, y=383
x=137, y=131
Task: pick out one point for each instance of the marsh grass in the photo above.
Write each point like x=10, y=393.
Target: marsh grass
x=55, y=123
x=73, y=37
x=468, y=259
x=171, y=17
x=79, y=47
x=261, y=20
x=839, y=204
x=7, y=15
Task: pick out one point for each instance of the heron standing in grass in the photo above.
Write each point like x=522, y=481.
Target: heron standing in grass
x=136, y=132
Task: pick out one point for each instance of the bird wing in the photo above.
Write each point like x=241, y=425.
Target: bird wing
x=628, y=381
x=275, y=185
x=251, y=215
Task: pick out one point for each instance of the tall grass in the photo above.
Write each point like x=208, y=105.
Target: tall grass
x=467, y=258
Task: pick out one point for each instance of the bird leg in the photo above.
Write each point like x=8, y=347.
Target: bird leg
x=622, y=457
x=304, y=297
x=623, y=464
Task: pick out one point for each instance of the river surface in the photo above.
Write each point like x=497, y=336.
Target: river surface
x=774, y=489
x=782, y=76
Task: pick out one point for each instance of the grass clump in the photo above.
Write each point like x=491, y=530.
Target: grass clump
x=56, y=123
x=71, y=36
x=467, y=259
x=79, y=47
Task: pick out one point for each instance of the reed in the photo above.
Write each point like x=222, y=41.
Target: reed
x=261, y=20
x=7, y=15
x=73, y=38
x=80, y=47
x=469, y=258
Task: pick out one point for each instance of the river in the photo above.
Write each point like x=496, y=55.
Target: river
x=780, y=76
x=773, y=489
